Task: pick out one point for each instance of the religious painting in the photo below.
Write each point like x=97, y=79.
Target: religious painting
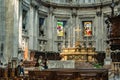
x=60, y=31
x=87, y=28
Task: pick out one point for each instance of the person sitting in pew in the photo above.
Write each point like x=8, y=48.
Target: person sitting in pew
x=45, y=64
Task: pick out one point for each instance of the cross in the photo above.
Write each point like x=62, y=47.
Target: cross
x=77, y=30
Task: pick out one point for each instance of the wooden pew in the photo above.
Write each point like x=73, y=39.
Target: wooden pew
x=69, y=74
x=39, y=75
x=93, y=74
x=64, y=75
x=3, y=74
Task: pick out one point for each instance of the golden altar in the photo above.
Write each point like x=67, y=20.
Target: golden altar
x=79, y=53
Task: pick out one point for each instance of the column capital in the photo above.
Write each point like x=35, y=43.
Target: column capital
x=34, y=4
x=51, y=9
x=99, y=13
x=74, y=12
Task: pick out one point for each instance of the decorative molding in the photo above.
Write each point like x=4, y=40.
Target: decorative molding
x=74, y=4
x=64, y=16
x=87, y=16
x=42, y=13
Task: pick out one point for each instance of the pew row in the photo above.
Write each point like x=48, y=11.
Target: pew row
x=68, y=74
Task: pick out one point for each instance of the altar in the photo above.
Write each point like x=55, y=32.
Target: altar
x=80, y=51
x=79, y=54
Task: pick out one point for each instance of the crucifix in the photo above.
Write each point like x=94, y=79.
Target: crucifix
x=77, y=30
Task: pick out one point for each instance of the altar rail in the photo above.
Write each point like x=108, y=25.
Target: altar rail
x=61, y=64
x=69, y=74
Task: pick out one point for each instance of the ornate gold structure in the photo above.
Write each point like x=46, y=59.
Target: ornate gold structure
x=79, y=52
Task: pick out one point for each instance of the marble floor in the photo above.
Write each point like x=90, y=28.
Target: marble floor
x=116, y=77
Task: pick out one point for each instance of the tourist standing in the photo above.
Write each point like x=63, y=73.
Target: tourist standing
x=21, y=67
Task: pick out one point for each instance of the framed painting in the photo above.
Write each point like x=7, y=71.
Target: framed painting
x=87, y=28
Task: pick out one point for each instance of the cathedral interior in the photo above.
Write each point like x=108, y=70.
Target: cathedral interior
x=69, y=33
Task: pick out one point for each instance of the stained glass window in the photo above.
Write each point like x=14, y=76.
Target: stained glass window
x=60, y=31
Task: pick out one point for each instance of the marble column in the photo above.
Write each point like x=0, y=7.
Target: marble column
x=9, y=30
x=75, y=23
x=31, y=28
x=54, y=46
x=72, y=39
x=96, y=39
x=35, y=28
x=102, y=34
x=69, y=38
x=50, y=30
x=73, y=26
x=2, y=28
x=98, y=31
x=16, y=28
x=20, y=26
